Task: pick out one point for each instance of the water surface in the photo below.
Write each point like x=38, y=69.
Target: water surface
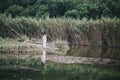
x=62, y=72
x=96, y=52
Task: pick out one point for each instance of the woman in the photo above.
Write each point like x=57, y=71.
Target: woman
x=44, y=40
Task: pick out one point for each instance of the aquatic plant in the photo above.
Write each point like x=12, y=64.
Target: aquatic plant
x=100, y=32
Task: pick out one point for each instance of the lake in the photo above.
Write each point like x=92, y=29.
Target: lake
x=98, y=52
x=54, y=71
x=61, y=71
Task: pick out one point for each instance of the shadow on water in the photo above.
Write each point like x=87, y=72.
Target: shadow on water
x=97, y=52
x=27, y=74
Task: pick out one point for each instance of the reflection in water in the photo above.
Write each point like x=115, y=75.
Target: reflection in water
x=55, y=71
x=79, y=51
x=98, y=52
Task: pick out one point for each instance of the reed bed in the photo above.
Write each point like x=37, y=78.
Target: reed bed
x=100, y=32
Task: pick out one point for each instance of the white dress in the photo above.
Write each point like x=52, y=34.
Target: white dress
x=44, y=40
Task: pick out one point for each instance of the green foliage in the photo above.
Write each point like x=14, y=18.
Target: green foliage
x=83, y=10
x=42, y=12
x=30, y=11
x=114, y=6
x=72, y=14
x=4, y=4
x=14, y=10
x=59, y=8
x=107, y=12
x=93, y=11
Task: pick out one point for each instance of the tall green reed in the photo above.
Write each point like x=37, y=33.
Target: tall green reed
x=101, y=32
